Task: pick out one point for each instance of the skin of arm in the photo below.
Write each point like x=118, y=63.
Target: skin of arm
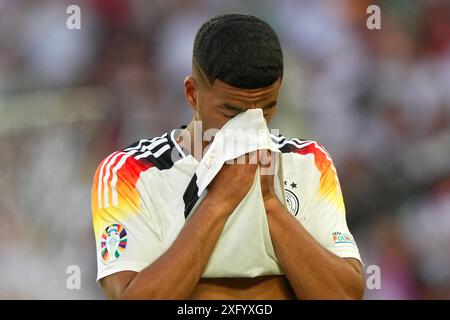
x=176, y=272
x=313, y=271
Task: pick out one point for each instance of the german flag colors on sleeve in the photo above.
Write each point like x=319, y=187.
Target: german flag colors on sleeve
x=126, y=235
x=317, y=191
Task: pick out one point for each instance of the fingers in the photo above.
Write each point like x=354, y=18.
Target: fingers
x=265, y=158
x=267, y=162
x=253, y=157
x=259, y=157
x=248, y=158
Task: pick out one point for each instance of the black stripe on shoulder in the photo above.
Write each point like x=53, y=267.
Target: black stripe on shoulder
x=157, y=150
x=162, y=161
x=144, y=143
x=286, y=145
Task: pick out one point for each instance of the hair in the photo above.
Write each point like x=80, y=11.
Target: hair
x=240, y=50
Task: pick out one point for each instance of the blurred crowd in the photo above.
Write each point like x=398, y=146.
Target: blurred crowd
x=378, y=100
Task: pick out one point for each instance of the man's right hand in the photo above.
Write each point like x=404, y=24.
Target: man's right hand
x=232, y=183
x=166, y=277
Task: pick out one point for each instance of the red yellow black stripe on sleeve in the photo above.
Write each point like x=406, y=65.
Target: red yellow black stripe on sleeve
x=329, y=187
x=114, y=186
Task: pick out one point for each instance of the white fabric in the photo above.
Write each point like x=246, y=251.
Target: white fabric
x=243, y=134
x=247, y=225
x=151, y=209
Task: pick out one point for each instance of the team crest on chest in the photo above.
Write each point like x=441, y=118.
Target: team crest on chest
x=113, y=243
x=292, y=202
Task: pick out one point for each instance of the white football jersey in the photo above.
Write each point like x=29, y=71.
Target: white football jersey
x=143, y=195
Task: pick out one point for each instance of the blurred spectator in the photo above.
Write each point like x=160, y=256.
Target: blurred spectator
x=379, y=100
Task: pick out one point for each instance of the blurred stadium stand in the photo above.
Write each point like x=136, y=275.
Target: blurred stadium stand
x=379, y=100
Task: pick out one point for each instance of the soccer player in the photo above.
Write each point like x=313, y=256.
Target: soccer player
x=149, y=246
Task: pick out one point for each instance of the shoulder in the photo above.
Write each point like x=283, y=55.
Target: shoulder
x=308, y=161
x=302, y=148
x=141, y=155
x=122, y=168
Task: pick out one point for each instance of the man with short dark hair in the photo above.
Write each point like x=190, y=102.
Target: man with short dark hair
x=157, y=240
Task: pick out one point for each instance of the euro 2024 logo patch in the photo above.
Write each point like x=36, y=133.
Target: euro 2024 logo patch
x=342, y=239
x=291, y=199
x=113, y=243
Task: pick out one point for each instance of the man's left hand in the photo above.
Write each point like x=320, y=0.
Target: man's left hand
x=267, y=173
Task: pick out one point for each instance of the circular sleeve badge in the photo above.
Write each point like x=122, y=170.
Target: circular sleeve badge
x=113, y=243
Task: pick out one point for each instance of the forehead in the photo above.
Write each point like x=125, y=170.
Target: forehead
x=224, y=91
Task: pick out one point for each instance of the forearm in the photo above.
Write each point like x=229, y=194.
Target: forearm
x=175, y=274
x=313, y=271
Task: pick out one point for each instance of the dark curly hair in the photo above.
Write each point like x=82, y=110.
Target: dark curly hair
x=240, y=50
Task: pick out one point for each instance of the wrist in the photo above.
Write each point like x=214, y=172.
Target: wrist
x=216, y=205
x=272, y=203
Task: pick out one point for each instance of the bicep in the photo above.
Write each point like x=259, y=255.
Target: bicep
x=356, y=264
x=126, y=226
x=115, y=284
x=325, y=216
x=358, y=284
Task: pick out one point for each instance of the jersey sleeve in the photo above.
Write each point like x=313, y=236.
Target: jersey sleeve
x=126, y=235
x=325, y=211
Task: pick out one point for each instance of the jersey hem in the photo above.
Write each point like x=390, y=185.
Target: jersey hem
x=117, y=267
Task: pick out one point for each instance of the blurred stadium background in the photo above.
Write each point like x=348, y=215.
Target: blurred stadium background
x=379, y=100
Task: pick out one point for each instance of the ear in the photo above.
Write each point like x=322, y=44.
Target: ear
x=191, y=92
